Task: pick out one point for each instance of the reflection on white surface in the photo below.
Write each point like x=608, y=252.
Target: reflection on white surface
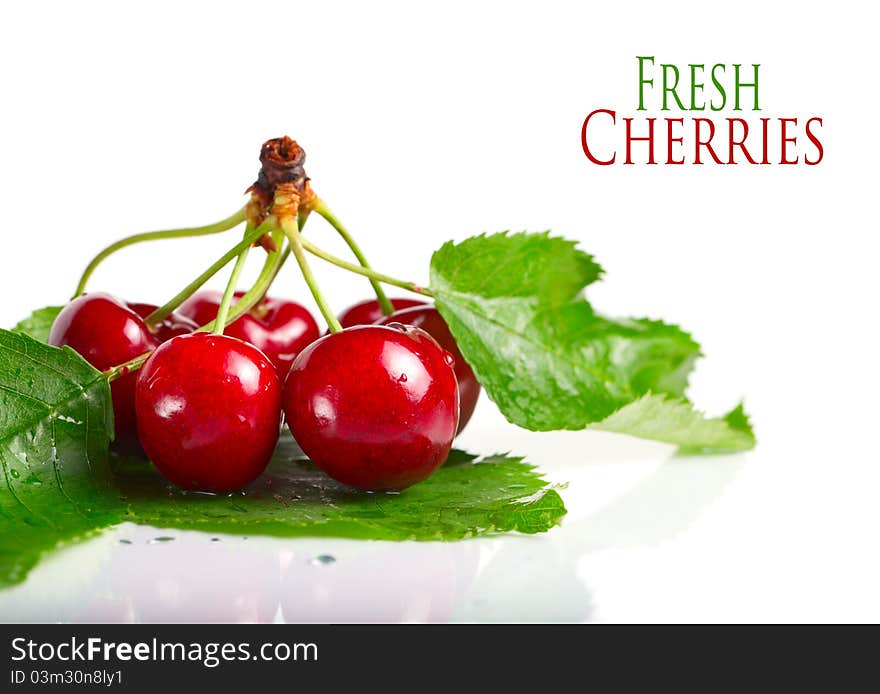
x=410, y=582
x=140, y=574
x=622, y=494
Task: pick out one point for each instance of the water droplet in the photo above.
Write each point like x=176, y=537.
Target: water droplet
x=323, y=560
x=124, y=542
x=448, y=358
x=402, y=378
x=162, y=538
x=14, y=473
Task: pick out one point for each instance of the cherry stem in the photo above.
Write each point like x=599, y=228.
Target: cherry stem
x=264, y=280
x=223, y=225
x=285, y=254
x=250, y=299
x=321, y=208
x=126, y=368
x=165, y=310
x=226, y=301
x=290, y=227
x=366, y=272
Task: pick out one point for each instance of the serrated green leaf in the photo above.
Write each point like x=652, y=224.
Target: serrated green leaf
x=505, y=266
x=468, y=497
x=39, y=323
x=548, y=364
x=546, y=358
x=675, y=421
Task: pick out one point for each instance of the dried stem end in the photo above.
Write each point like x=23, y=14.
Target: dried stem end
x=282, y=186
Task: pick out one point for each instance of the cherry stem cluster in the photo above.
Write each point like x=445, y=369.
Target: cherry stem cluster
x=287, y=229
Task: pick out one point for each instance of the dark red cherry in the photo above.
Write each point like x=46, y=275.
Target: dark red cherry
x=281, y=329
x=429, y=319
x=369, y=311
x=375, y=407
x=208, y=411
x=106, y=332
x=173, y=325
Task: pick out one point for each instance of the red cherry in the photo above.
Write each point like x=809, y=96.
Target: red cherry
x=375, y=407
x=369, y=311
x=173, y=325
x=106, y=332
x=208, y=411
x=281, y=329
x=429, y=319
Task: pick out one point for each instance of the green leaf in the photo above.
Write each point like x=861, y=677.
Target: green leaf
x=55, y=427
x=675, y=421
x=546, y=358
x=506, y=266
x=465, y=498
x=39, y=323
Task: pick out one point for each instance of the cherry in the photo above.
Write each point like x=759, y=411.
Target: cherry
x=106, y=332
x=281, y=329
x=375, y=407
x=429, y=319
x=208, y=411
x=369, y=311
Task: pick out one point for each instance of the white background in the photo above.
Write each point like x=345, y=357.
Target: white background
x=423, y=125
